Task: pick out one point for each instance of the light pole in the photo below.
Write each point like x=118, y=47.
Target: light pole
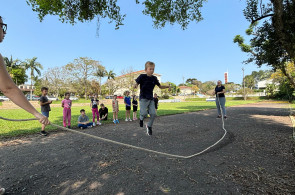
x=244, y=84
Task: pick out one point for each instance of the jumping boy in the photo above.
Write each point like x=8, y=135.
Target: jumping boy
x=147, y=83
x=45, y=107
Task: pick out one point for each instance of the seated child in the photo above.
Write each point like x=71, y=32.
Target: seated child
x=103, y=112
x=83, y=120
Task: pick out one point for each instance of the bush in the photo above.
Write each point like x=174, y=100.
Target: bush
x=165, y=97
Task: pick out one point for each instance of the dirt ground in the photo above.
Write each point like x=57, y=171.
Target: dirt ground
x=254, y=158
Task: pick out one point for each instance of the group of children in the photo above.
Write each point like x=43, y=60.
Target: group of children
x=148, y=104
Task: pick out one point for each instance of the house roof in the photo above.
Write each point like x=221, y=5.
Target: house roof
x=184, y=87
x=137, y=72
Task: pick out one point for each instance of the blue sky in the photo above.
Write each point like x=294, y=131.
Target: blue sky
x=204, y=51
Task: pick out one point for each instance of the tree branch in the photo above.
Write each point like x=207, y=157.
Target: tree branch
x=260, y=18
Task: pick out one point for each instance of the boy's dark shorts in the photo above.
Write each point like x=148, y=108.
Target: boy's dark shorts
x=45, y=114
x=128, y=107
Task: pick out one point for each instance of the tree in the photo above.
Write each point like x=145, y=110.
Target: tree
x=249, y=81
x=57, y=81
x=245, y=92
x=110, y=76
x=193, y=81
x=82, y=70
x=34, y=66
x=161, y=11
x=285, y=88
x=16, y=71
x=100, y=74
x=207, y=87
x=272, y=41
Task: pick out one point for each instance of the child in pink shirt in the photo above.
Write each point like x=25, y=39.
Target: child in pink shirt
x=67, y=104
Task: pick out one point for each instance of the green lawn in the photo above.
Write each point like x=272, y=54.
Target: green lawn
x=10, y=129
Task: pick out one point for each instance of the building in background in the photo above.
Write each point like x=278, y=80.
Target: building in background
x=185, y=90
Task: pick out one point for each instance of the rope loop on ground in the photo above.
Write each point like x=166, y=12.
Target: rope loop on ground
x=128, y=145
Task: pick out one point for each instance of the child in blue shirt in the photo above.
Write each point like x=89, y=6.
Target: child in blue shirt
x=147, y=83
x=127, y=102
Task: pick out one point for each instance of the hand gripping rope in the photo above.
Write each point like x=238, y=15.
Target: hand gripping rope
x=128, y=145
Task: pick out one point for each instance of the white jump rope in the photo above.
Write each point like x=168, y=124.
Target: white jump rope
x=131, y=146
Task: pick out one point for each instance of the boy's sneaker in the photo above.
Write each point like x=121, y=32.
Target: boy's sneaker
x=126, y=119
x=141, y=123
x=219, y=116
x=93, y=124
x=114, y=121
x=130, y=119
x=44, y=133
x=225, y=117
x=2, y=191
x=98, y=123
x=149, y=130
x=117, y=121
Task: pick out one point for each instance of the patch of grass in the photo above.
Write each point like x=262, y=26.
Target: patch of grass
x=11, y=129
x=0, y=103
x=229, y=98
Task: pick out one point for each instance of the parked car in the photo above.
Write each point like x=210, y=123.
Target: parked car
x=109, y=97
x=34, y=97
x=120, y=97
x=52, y=98
x=4, y=98
x=73, y=98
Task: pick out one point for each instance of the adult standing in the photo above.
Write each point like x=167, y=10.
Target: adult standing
x=220, y=99
x=9, y=89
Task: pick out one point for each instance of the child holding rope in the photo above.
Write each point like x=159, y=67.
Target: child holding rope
x=147, y=83
x=67, y=104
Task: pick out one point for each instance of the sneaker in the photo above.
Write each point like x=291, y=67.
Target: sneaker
x=225, y=117
x=98, y=123
x=44, y=133
x=81, y=128
x=69, y=127
x=126, y=119
x=117, y=121
x=141, y=123
x=149, y=130
x=130, y=119
x=93, y=124
x=90, y=126
x=219, y=116
x=2, y=191
x=114, y=121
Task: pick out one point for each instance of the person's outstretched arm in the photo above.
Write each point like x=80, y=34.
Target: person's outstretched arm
x=10, y=90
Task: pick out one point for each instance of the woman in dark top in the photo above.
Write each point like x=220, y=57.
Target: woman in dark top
x=156, y=100
x=220, y=99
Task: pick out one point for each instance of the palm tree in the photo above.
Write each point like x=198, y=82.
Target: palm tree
x=110, y=75
x=34, y=66
x=10, y=65
x=100, y=73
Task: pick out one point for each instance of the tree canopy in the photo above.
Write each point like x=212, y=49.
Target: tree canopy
x=272, y=32
x=161, y=11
